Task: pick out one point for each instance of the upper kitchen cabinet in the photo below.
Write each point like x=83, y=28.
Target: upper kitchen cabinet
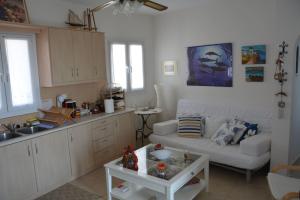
x=98, y=54
x=70, y=56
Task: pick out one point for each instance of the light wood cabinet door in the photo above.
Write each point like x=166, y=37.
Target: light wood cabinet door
x=126, y=132
x=81, y=150
x=61, y=55
x=98, y=56
x=52, y=160
x=17, y=174
x=82, y=52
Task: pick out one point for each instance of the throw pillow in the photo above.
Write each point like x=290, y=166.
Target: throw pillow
x=242, y=130
x=212, y=124
x=238, y=128
x=252, y=129
x=223, y=135
x=191, y=126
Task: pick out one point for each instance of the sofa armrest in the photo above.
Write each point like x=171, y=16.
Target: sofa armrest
x=165, y=128
x=256, y=145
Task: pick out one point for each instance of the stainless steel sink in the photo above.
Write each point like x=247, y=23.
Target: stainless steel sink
x=31, y=130
x=7, y=135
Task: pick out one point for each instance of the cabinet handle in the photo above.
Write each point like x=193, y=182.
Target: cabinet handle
x=36, y=148
x=28, y=150
x=103, y=129
x=72, y=72
x=71, y=138
x=77, y=72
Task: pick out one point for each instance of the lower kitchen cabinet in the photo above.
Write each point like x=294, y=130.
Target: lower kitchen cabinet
x=17, y=175
x=52, y=160
x=34, y=167
x=126, y=131
x=81, y=150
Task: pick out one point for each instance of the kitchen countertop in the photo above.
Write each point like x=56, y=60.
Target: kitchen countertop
x=76, y=122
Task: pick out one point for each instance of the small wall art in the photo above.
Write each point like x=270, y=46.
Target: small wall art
x=13, y=11
x=210, y=65
x=255, y=74
x=254, y=54
x=169, y=68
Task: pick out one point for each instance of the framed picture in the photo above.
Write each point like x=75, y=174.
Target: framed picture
x=210, y=65
x=13, y=11
x=255, y=74
x=255, y=54
x=169, y=68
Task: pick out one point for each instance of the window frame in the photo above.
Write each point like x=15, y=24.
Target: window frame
x=8, y=110
x=128, y=67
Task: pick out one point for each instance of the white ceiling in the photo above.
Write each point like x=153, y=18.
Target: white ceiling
x=173, y=5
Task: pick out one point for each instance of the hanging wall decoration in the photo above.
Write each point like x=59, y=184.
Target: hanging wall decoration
x=280, y=76
x=210, y=65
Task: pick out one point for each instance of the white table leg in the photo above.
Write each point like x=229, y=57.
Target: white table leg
x=206, y=176
x=108, y=184
x=170, y=194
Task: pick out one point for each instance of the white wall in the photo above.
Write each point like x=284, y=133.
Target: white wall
x=240, y=22
x=129, y=28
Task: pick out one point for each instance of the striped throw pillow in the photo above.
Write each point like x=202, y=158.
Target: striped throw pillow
x=191, y=126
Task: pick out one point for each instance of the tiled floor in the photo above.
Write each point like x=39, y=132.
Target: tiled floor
x=224, y=185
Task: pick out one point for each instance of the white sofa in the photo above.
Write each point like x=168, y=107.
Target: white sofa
x=251, y=154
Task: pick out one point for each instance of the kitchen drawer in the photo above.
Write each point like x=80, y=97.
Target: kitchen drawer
x=104, y=156
x=101, y=144
x=103, y=131
x=103, y=122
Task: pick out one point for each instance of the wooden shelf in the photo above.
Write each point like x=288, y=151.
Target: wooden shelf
x=141, y=193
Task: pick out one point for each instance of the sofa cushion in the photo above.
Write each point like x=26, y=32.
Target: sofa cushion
x=223, y=135
x=256, y=145
x=212, y=124
x=165, y=128
x=191, y=126
x=228, y=155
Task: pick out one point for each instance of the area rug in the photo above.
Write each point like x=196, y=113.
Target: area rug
x=70, y=192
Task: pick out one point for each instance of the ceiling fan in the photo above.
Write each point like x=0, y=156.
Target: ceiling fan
x=120, y=6
x=148, y=3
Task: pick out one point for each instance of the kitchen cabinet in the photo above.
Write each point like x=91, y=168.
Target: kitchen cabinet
x=81, y=150
x=126, y=131
x=62, y=63
x=17, y=174
x=98, y=56
x=82, y=51
x=104, y=140
x=70, y=56
x=52, y=160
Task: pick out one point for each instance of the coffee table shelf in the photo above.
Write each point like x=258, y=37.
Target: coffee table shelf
x=141, y=193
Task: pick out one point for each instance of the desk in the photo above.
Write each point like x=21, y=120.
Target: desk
x=145, y=115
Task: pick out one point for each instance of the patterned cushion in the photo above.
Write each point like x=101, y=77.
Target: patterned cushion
x=191, y=126
x=223, y=135
x=245, y=130
x=239, y=129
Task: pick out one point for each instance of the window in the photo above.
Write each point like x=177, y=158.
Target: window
x=19, y=84
x=127, y=65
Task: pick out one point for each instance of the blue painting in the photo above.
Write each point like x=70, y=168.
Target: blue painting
x=210, y=65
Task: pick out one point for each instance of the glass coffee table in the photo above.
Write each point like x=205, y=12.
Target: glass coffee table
x=148, y=183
